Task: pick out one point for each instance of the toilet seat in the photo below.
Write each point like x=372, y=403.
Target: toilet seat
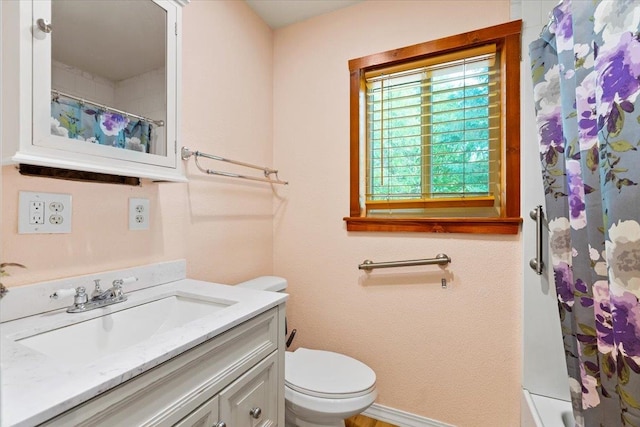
x=327, y=374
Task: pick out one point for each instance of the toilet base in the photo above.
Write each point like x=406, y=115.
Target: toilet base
x=302, y=410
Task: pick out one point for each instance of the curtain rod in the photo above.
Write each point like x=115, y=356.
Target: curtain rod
x=56, y=93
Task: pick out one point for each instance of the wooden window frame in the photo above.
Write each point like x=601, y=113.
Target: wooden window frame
x=508, y=41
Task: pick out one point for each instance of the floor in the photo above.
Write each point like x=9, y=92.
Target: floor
x=362, y=421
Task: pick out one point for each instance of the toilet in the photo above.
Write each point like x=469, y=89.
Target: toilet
x=322, y=388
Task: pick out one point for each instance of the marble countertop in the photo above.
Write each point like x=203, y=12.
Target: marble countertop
x=36, y=387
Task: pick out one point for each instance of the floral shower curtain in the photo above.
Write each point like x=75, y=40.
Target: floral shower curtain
x=586, y=76
x=87, y=122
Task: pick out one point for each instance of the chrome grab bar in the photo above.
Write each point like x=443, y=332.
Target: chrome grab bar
x=536, y=263
x=440, y=259
x=186, y=154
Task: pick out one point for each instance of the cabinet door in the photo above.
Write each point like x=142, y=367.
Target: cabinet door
x=86, y=114
x=252, y=400
x=205, y=416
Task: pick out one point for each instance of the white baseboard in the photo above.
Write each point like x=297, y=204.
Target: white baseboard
x=401, y=418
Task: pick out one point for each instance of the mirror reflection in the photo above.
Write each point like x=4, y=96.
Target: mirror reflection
x=108, y=73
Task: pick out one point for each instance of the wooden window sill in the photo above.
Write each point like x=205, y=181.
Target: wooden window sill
x=436, y=225
x=431, y=203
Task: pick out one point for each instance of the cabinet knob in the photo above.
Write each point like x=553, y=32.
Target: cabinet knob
x=256, y=412
x=220, y=424
x=44, y=25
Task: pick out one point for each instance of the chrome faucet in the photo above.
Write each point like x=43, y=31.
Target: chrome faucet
x=99, y=298
x=113, y=292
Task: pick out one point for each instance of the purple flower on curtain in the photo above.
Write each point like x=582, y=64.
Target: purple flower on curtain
x=112, y=124
x=576, y=195
x=602, y=311
x=564, y=27
x=582, y=292
x=564, y=289
x=581, y=287
x=549, y=115
x=617, y=81
x=560, y=248
x=550, y=130
x=626, y=323
x=586, y=110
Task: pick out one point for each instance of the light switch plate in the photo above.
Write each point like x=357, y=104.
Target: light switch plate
x=138, y=214
x=44, y=213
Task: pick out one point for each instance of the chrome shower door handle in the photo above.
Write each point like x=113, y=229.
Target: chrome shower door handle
x=536, y=263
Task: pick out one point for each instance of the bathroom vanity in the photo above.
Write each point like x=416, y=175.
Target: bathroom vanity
x=178, y=352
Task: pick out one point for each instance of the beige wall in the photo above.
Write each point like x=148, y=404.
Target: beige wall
x=222, y=227
x=451, y=355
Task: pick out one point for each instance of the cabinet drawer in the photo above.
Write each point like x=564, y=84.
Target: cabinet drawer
x=252, y=400
x=204, y=416
x=167, y=393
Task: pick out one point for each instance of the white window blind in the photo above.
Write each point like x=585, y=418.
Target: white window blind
x=433, y=132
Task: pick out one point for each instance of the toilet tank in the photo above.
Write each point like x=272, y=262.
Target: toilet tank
x=266, y=283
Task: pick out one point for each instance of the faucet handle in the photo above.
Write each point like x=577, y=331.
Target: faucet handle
x=97, y=290
x=118, y=283
x=80, y=297
x=124, y=281
x=79, y=294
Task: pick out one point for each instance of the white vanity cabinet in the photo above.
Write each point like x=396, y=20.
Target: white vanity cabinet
x=205, y=416
x=235, y=379
x=250, y=401
x=93, y=86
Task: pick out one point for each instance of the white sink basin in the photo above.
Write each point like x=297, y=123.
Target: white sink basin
x=89, y=340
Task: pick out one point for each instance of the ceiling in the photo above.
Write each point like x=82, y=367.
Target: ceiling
x=280, y=13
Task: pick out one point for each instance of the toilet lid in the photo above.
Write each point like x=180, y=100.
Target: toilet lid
x=327, y=374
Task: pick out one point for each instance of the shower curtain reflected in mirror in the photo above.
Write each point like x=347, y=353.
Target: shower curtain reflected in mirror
x=586, y=76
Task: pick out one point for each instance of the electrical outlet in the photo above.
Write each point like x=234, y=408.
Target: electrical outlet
x=138, y=214
x=56, y=206
x=36, y=212
x=56, y=219
x=44, y=213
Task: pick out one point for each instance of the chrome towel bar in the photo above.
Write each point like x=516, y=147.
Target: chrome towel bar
x=440, y=259
x=186, y=154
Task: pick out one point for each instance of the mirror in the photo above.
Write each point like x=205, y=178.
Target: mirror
x=109, y=73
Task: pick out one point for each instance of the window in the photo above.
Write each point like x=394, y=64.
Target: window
x=435, y=135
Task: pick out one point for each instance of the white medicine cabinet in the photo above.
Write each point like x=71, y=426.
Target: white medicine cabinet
x=93, y=86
